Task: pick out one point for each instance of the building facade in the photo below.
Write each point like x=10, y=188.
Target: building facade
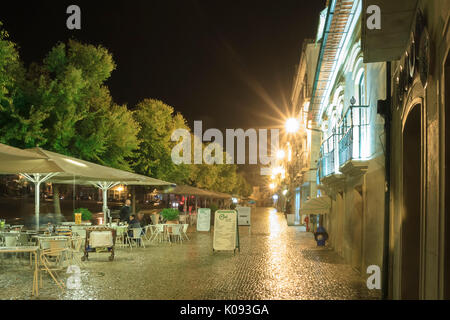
x=419, y=209
x=375, y=121
x=303, y=146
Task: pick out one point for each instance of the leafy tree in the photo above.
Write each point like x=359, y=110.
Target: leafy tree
x=243, y=188
x=154, y=155
x=64, y=105
x=83, y=120
x=20, y=122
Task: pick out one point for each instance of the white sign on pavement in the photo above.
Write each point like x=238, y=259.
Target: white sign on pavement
x=225, y=230
x=244, y=215
x=204, y=219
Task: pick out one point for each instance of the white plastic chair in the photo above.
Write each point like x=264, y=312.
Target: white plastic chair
x=175, y=231
x=11, y=240
x=159, y=232
x=136, y=235
x=184, y=230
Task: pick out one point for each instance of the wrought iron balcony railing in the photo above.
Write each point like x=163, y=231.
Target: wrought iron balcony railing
x=326, y=163
x=354, y=130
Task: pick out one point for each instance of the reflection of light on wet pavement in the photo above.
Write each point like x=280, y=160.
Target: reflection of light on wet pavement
x=277, y=265
x=275, y=262
x=274, y=224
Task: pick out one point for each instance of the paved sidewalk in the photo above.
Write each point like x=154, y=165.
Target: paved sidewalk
x=275, y=262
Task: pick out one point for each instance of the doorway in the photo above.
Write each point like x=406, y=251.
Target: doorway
x=410, y=229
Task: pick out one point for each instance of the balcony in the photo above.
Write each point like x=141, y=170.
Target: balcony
x=354, y=144
x=327, y=174
x=326, y=162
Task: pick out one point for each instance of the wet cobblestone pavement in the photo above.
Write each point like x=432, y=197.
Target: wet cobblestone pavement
x=275, y=262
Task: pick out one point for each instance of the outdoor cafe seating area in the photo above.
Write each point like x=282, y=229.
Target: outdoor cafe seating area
x=50, y=250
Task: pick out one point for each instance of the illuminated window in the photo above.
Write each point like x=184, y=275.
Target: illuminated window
x=362, y=90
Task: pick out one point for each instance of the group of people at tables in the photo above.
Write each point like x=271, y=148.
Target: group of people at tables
x=133, y=221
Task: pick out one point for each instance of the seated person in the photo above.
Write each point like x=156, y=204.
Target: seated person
x=134, y=223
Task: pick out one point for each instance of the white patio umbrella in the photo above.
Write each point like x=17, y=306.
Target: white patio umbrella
x=38, y=165
x=8, y=153
x=88, y=173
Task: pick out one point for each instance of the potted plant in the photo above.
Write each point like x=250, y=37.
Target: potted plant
x=171, y=216
x=86, y=215
x=213, y=208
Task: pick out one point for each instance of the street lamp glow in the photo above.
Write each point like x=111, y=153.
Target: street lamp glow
x=292, y=125
x=281, y=154
x=285, y=192
x=277, y=171
x=272, y=186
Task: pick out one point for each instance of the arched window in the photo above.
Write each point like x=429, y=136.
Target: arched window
x=361, y=119
x=362, y=90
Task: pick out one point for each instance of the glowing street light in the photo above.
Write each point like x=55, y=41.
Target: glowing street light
x=277, y=170
x=272, y=186
x=281, y=154
x=292, y=125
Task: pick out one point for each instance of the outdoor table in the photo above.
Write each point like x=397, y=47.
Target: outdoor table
x=10, y=234
x=33, y=250
x=53, y=236
x=49, y=237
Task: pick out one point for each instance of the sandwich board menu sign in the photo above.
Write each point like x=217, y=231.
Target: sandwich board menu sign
x=204, y=219
x=226, y=232
x=244, y=215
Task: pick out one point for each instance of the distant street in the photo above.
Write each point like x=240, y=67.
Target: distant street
x=275, y=262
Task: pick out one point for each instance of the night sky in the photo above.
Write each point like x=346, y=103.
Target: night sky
x=228, y=63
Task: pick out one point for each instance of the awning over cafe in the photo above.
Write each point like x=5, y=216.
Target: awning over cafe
x=320, y=205
x=389, y=42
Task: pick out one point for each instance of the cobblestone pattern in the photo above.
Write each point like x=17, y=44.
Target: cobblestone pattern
x=275, y=262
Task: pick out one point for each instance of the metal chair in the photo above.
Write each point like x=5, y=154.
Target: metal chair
x=148, y=232
x=53, y=253
x=75, y=250
x=122, y=237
